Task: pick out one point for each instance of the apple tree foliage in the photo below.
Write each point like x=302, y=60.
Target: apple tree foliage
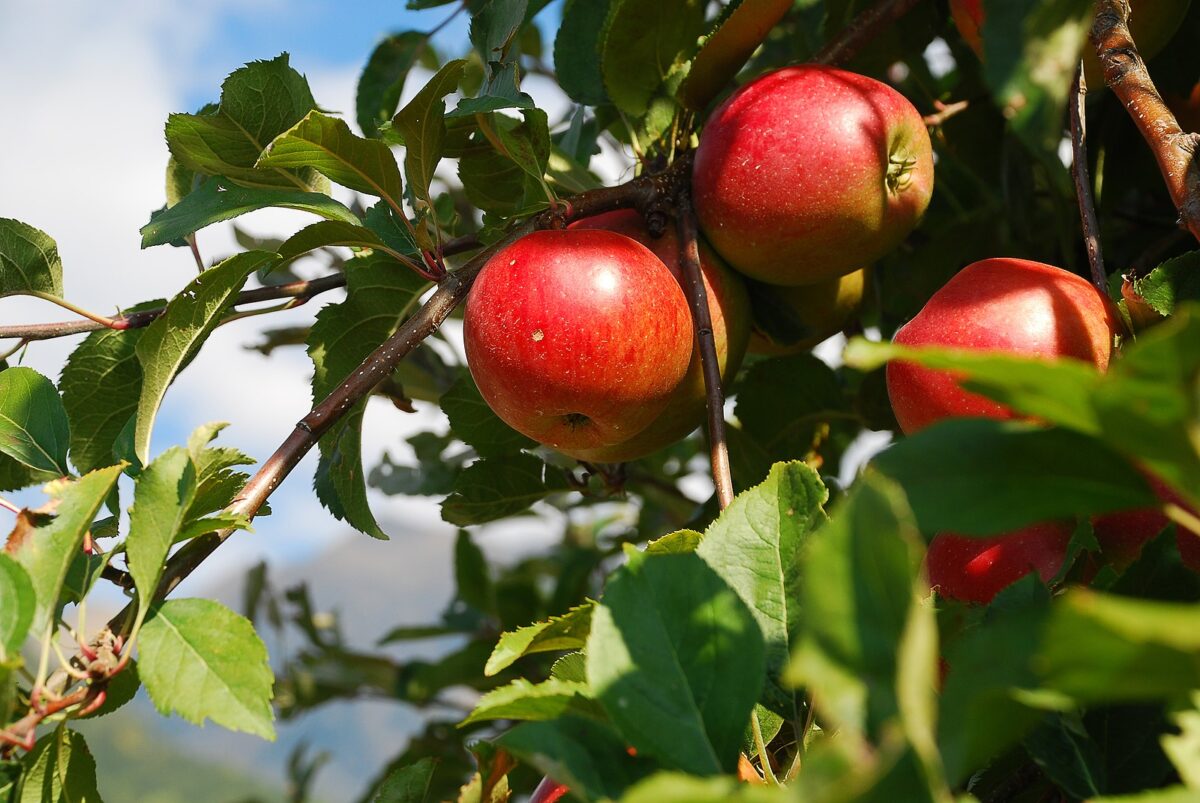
x=786, y=648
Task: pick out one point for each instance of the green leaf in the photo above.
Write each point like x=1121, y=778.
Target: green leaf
x=378, y=297
x=861, y=585
x=677, y=660
x=162, y=493
x=474, y=423
x=382, y=81
x=327, y=145
x=258, y=102
x=528, y=145
x=587, y=756
x=1030, y=51
x=577, y=51
x=642, y=43
x=496, y=185
x=407, y=784
x=521, y=699
x=566, y=632
x=60, y=769
x=494, y=27
x=47, y=552
x=783, y=402
x=1105, y=648
x=217, y=199
x=422, y=125
x=981, y=712
x=28, y=260
x=678, y=542
x=1172, y=283
x=1057, y=392
x=984, y=477
x=1183, y=747
x=174, y=338
x=1068, y=755
x=676, y=787
x=755, y=546
x=17, y=604
x=33, y=423
x=496, y=487
x=329, y=233
x=217, y=482
x=100, y=383
x=202, y=661
x=740, y=30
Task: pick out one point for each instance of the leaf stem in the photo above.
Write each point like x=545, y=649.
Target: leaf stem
x=103, y=320
x=761, y=746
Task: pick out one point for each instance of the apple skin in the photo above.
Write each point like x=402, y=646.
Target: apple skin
x=729, y=308
x=548, y=791
x=577, y=339
x=1152, y=23
x=977, y=569
x=1122, y=535
x=823, y=308
x=791, y=179
x=1002, y=305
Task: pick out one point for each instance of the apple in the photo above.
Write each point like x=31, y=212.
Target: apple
x=977, y=569
x=548, y=791
x=820, y=310
x=1123, y=534
x=809, y=172
x=1152, y=23
x=729, y=308
x=1002, y=305
x=577, y=339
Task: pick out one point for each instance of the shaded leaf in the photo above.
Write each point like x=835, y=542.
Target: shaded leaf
x=474, y=423
x=28, y=260
x=495, y=487
x=17, y=604
x=60, y=769
x=381, y=82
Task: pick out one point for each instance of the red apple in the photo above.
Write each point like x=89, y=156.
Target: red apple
x=1003, y=305
x=577, y=339
x=1152, y=23
x=548, y=791
x=821, y=309
x=977, y=569
x=1122, y=535
x=729, y=308
x=808, y=173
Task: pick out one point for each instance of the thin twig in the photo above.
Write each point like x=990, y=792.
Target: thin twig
x=944, y=112
x=1125, y=73
x=861, y=30
x=1083, y=182
x=689, y=262
x=302, y=291
x=9, y=506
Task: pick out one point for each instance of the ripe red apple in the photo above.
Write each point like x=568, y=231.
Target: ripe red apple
x=977, y=569
x=729, y=308
x=1004, y=305
x=1122, y=535
x=1152, y=23
x=808, y=173
x=548, y=791
x=577, y=339
x=822, y=309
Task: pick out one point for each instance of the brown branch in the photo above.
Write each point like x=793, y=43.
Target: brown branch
x=1125, y=73
x=944, y=112
x=861, y=30
x=1083, y=182
x=689, y=262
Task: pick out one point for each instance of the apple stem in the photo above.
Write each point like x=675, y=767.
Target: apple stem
x=689, y=262
x=1126, y=75
x=1083, y=182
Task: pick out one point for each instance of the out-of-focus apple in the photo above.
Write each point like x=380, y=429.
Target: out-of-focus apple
x=977, y=569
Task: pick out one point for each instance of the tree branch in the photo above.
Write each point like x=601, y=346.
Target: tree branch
x=689, y=261
x=861, y=30
x=1126, y=75
x=299, y=291
x=1083, y=182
